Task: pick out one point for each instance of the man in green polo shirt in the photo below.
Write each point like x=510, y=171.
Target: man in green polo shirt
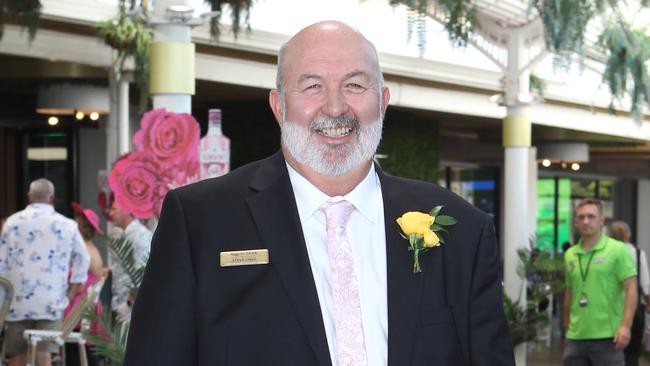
x=600, y=296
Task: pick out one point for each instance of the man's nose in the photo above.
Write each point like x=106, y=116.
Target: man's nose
x=336, y=104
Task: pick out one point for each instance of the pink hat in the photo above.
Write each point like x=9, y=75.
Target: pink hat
x=89, y=214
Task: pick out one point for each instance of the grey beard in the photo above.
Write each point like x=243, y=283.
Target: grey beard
x=327, y=159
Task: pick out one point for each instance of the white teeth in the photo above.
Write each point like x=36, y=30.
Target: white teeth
x=335, y=132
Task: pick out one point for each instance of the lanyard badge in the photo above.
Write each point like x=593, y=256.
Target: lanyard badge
x=583, y=302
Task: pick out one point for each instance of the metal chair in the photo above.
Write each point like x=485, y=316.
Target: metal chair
x=6, y=296
x=65, y=334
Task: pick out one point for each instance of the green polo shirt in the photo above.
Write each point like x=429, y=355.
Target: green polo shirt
x=611, y=264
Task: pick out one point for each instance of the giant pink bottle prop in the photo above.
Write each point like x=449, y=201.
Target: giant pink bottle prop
x=214, y=152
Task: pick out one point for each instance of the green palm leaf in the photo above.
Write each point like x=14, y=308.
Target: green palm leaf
x=123, y=250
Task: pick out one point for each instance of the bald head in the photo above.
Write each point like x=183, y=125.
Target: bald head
x=41, y=191
x=323, y=35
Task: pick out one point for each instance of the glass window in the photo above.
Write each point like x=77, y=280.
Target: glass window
x=50, y=155
x=583, y=188
x=476, y=185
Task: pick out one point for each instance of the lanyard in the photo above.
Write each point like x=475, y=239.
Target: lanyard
x=586, y=272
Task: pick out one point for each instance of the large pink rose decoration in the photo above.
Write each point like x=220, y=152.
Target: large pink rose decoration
x=166, y=157
x=138, y=186
x=170, y=138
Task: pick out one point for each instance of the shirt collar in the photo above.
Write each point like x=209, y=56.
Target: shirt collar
x=602, y=241
x=41, y=206
x=309, y=198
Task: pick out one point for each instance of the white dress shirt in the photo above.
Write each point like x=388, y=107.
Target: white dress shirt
x=365, y=232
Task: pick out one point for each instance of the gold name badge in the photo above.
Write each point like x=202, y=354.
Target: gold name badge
x=244, y=257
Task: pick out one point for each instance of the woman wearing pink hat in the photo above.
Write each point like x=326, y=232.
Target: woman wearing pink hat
x=88, y=223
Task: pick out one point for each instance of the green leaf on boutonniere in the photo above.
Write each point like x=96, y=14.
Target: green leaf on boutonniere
x=436, y=227
x=435, y=211
x=445, y=220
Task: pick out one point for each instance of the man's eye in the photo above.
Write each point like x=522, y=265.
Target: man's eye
x=312, y=87
x=355, y=86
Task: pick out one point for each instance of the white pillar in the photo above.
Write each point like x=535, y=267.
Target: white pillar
x=123, y=129
x=516, y=218
x=516, y=142
x=167, y=32
x=112, y=151
x=532, y=191
x=643, y=215
x=179, y=103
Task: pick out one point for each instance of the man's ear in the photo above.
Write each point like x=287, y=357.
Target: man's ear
x=276, y=104
x=385, y=98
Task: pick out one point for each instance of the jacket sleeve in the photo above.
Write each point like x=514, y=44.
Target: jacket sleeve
x=490, y=342
x=162, y=329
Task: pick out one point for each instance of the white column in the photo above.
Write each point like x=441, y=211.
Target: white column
x=516, y=142
x=112, y=151
x=516, y=218
x=179, y=103
x=643, y=215
x=178, y=32
x=123, y=129
x=532, y=191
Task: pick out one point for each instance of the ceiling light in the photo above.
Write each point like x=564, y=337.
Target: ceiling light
x=575, y=166
x=53, y=121
x=546, y=163
x=94, y=116
x=79, y=115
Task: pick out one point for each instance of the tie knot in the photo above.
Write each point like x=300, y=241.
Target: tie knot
x=337, y=213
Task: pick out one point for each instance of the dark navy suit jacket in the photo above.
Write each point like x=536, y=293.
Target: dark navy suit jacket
x=191, y=311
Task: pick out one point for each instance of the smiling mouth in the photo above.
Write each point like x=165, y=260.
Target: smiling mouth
x=335, y=132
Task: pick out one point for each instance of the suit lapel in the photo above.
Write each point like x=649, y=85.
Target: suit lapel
x=404, y=287
x=275, y=214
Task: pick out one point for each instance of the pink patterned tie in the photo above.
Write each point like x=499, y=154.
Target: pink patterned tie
x=348, y=326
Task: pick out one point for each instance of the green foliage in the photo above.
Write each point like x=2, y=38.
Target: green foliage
x=129, y=37
x=459, y=18
x=537, y=84
x=459, y=15
x=625, y=69
x=123, y=250
x=237, y=9
x=107, y=336
x=25, y=12
x=410, y=147
x=524, y=321
x=565, y=24
x=544, y=274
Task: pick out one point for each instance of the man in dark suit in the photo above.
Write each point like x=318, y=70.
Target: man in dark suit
x=298, y=260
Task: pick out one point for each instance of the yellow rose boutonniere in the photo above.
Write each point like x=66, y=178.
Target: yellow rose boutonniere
x=423, y=231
